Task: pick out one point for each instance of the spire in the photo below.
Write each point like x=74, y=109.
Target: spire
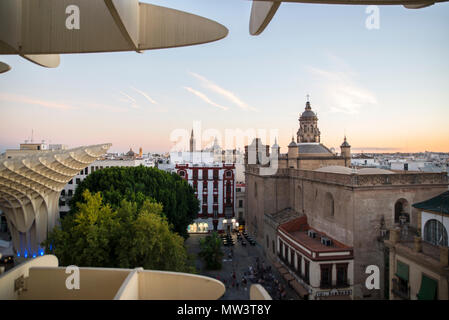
x=292, y=144
x=308, y=107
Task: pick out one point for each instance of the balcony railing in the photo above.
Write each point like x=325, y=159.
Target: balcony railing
x=400, y=290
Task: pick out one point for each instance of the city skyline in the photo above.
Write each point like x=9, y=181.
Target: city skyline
x=364, y=87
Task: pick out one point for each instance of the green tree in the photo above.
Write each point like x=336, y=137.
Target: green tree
x=129, y=237
x=210, y=251
x=135, y=184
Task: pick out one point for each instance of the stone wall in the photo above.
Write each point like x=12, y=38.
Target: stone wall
x=359, y=203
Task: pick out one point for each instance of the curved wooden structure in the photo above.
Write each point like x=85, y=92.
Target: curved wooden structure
x=30, y=186
x=263, y=10
x=40, y=30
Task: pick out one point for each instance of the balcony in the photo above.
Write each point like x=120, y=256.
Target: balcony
x=401, y=290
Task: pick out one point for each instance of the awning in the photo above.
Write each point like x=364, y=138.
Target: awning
x=402, y=270
x=428, y=289
x=299, y=288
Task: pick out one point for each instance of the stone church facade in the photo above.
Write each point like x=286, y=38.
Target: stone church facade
x=352, y=206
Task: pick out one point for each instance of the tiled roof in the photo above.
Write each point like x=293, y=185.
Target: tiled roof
x=305, y=148
x=439, y=203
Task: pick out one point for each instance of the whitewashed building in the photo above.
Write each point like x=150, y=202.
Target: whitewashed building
x=69, y=189
x=215, y=187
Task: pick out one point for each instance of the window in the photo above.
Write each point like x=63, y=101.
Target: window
x=63, y=192
x=326, y=276
x=81, y=172
x=91, y=169
x=215, y=199
x=215, y=213
x=215, y=185
x=215, y=174
x=204, y=199
x=292, y=257
x=306, y=271
x=78, y=180
x=240, y=203
x=429, y=289
x=182, y=173
x=400, y=284
x=228, y=174
x=70, y=193
x=86, y=170
x=329, y=205
x=239, y=189
x=401, y=209
x=435, y=233
x=342, y=275
x=195, y=174
x=71, y=181
x=205, y=177
x=298, y=264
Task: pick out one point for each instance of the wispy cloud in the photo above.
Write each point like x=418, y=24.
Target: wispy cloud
x=340, y=89
x=203, y=97
x=28, y=100
x=223, y=92
x=109, y=108
x=131, y=100
x=145, y=95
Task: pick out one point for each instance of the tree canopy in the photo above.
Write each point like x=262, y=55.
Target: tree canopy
x=210, y=251
x=135, y=184
x=131, y=236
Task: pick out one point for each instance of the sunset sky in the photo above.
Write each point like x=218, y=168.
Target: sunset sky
x=386, y=89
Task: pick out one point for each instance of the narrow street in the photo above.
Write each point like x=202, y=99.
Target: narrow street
x=244, y=258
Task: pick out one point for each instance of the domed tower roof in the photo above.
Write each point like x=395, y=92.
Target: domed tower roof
x=345, y=144
x=293, y=143
x=308, y=113
x=130, y=153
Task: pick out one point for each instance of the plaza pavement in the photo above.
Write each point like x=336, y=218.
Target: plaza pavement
x=243, y=258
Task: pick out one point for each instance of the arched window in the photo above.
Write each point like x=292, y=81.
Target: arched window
x=435, y=233
x=401, y=208
x=329, y=205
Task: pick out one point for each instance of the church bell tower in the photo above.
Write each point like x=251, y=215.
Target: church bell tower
x=308, y=126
